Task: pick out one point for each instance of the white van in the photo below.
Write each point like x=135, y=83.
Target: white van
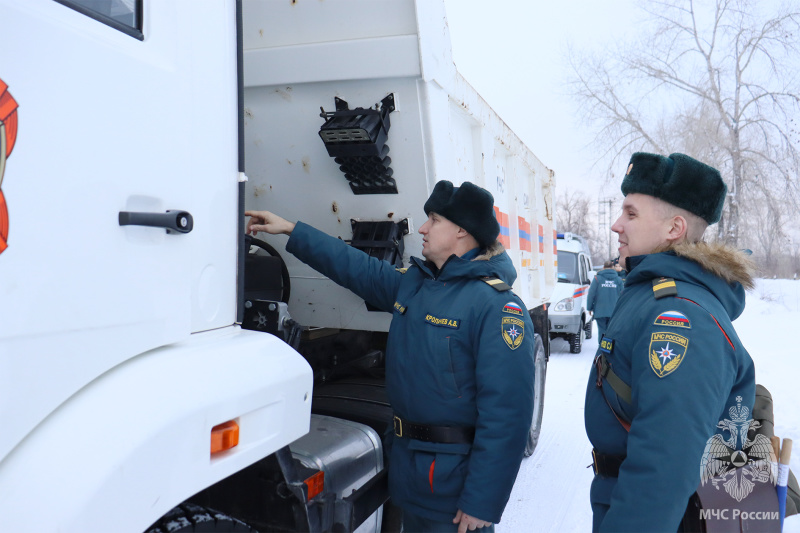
x=568, y=316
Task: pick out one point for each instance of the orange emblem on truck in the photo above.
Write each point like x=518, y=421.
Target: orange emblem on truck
x=8, y=136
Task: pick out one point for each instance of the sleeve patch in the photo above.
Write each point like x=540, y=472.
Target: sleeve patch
x=513, y=308
x=607, y=345
x=513, y=331
x=667, y=352
x=674, y=319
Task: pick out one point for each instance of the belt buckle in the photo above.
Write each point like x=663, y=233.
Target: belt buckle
x=594, y=463
x=398, y=426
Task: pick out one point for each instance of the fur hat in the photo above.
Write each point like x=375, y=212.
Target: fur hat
x=679, y=180
x=467, y=206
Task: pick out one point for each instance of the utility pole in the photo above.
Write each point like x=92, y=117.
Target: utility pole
x=605, y=218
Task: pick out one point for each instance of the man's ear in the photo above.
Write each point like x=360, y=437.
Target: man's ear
x=677, y=229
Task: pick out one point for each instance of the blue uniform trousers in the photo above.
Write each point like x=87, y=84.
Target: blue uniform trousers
x=602, y=325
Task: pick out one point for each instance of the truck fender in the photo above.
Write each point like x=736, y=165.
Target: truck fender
x=135, y=442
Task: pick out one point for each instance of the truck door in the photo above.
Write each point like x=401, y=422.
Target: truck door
x=123, y=106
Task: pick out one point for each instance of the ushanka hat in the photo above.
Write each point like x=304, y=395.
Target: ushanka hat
x=467, y=206
x=679, y=180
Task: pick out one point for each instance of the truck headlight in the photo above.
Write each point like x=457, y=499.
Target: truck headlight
x=565, y=305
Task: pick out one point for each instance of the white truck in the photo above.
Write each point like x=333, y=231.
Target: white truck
x=154, y=364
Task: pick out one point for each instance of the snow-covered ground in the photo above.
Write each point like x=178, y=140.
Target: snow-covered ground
x=552, y=489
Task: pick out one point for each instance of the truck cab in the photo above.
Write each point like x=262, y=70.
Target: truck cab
x=569, y=318
x=156, y=362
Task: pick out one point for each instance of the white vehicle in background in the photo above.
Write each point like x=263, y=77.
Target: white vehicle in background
x=568, y=316
x=160, y=371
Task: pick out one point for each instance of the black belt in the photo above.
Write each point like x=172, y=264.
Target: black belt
x=424, y=432
x=606, y=465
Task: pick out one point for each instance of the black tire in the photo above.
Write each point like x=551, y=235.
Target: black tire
x=576, y=340
x=588, y=330
x=540, y=364
x=191, y=518
x=392, y=521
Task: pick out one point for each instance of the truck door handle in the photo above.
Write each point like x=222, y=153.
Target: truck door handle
x=174, y=220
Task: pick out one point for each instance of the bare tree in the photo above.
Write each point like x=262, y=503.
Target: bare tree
x=718, y=82
x=574, y=215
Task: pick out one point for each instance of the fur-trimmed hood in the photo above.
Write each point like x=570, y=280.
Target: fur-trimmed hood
x=720, y=260
x=724, y=271
x=492, y=250
x=493, y=262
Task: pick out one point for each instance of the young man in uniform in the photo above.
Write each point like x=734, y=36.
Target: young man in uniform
x=603, y=294
x=671, y=364
x=459, y=357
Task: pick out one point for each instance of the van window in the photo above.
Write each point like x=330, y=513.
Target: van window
x=584, y=273
x=123, y=15
x=587, y=269
x=568, y=270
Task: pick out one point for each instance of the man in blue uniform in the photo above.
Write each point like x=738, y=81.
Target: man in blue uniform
x=671, y=364
x=619, y=270
x=459, y=357
x=603, y=294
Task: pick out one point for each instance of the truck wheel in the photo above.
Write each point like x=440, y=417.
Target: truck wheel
x=191, y=518
x=588, y=330
x=540, y=364
x=392, y=518
x=576, y=340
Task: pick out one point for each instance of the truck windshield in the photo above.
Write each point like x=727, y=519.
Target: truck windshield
x=568, y=267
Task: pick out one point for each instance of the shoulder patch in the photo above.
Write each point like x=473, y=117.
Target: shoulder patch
x=400, y=308
x=497, y=284
x=663, y=287
x=513, y=308
x=513, y=330
x=402, y=270
x=675, y=319
x=667, y=352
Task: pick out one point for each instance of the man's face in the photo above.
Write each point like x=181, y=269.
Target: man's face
x=439, y=238
x=642, y=226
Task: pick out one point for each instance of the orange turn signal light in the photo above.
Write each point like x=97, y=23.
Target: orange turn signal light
x=224, y=436
x=315, y=484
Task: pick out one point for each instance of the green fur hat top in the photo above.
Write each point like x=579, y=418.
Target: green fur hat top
x=467, y=206
x=679, y=180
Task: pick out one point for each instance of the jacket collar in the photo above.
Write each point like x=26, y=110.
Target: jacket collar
x=492, y=262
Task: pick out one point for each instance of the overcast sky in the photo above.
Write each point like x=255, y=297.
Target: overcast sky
x=511, y=52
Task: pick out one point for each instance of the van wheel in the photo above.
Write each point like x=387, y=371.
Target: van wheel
x=588, y=330
x=576, y=340
x=540, y=365
x=191, y=518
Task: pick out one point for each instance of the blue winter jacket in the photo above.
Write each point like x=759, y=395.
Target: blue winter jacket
x=459, y=353
x=685, y=366
x=603, y=293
